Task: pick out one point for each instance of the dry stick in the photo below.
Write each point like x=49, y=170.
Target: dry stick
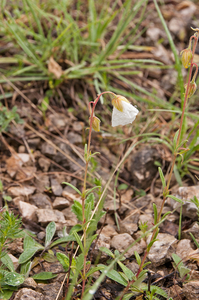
x=166, y=191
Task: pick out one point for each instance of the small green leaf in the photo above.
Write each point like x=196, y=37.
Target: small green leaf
x=175, y=140
x=126, y=270
x=25, y=268
x=162, y=178
x=50, y=231
x=73, y=187
x=78, y=241
x=44, y=276
x=114, y=275
x=77, y=209
x=7, y=261
x=138, y=258
x=13, y=278
x=6, y=294
x=196, y=243
x=27, y=254
x=176, y=199
x=155, y=213
x=64, y=260
x=107, y=251
x=62, y=240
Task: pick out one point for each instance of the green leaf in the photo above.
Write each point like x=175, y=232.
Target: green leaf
x=155, y=213
x=73, y=187
x=176, y=199
x=162, y=177
x=25, y=268
x=138, y=258
x=64, y=260
x=175, y=140
x=77, y=209
x=50, y=231
x=62, y=240
x=107, y=251
x=49, y=257
x=78, y=241
x=13, y=278
x=44, y=276
x=184, y=271
x=6, y=294
x=114, y=275
x=126, y=270
x=7, y=261
x=27, y=254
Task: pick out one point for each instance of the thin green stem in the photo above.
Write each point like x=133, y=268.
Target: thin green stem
x=166, y=191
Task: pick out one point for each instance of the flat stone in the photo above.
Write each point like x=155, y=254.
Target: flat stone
x=56, y=187
x=121, y=241
x=194, y=229
x=130, y=223
x=29, y=283
x=25, y=172
x=191, y=290
x=70, y=217
x=25, y=293
x=162, y=249
x=108, y=231
x=28, y=211
x=51, y=290
x=61, y=203
x=184, y=248
x=42, y=182
x=41, y=200
x=21, y=190
x=48, y=149
x=187, y=193
x=48, y=215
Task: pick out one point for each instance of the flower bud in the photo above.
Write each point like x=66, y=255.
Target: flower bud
x=192, y=88
x=96, y=123
x=186, y=57
x=117, y=102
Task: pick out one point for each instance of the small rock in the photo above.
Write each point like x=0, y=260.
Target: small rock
x=56, y=187
x=28, y=211
x=189, y=209
x=194, y=229
x=143, y=201
x=48, y=150
x=29, y=283
x=51, y=290
x=74, y=138
x=133, y=266
x=154, y=33
x=60, y=203
x=41, y=235
x=191, y=290
x=21, y=149
x=25, y=172
x=127, y=196
x=14, y=260
x=25, y=157
x=143, y=166
x=41, y=200
x=16, y=247
x=184, y=248
x=21, y=190
x=42, y=182
x=48, y=215
x=161, y=250
x=121, y=241
x=33, y=143
x=58, y=120
x=108, y=231
x=44, y=164
x=26, y=293
x=70, y=217
x=130, y=223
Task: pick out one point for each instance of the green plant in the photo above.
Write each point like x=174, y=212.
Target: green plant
x=183, y=271
x=9, y=230
x=7, y=116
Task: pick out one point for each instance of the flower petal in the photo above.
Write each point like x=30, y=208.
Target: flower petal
x=126, y=117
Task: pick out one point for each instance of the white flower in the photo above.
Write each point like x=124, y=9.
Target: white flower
x=124, y=116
